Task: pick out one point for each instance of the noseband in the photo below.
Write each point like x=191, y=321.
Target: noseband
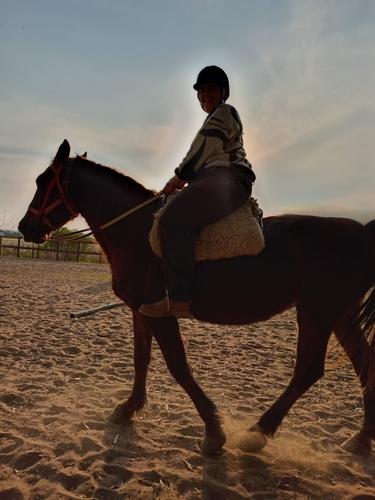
x=45, y=209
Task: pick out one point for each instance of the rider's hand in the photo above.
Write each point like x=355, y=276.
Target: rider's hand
x=172, y=184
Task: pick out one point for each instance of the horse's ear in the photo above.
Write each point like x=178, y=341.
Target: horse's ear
x=84, y=155
x=63, y=152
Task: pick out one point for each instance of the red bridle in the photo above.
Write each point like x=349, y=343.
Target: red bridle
x=45, y=209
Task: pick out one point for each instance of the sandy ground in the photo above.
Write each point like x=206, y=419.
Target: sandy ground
x=60, y=379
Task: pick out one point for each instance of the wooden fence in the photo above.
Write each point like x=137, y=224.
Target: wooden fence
x=52, y=250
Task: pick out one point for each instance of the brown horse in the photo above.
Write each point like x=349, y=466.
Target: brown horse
x=322, y=266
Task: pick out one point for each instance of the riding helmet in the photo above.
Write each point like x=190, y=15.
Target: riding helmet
x=213, y=74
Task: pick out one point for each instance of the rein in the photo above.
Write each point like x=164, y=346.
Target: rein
x=68, y=237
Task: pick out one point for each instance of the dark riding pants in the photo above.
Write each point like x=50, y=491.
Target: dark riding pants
x=212, y=194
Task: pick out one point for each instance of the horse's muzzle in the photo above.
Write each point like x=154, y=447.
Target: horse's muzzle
x=33, y=231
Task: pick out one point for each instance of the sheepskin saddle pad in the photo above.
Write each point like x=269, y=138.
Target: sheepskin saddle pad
x=239, y=233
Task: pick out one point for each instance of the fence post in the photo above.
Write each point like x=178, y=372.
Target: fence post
x=78, y=250
x=32, y=251
x=1, y=241
x=18, y=247
x=57, y=250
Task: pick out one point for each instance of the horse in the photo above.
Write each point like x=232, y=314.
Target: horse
x=322, y=266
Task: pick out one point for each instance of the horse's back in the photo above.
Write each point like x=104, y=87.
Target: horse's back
x=324, y=238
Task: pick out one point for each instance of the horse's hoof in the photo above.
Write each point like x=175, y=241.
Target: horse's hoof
x=358, y=445
x=253, y=440
x=210, y=445
x=120, y=415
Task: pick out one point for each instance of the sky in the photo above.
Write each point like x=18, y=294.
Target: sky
x=115, y=78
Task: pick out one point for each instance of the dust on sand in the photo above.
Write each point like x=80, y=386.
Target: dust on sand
x=61, y=378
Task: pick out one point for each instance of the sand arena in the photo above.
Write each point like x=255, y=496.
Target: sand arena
x=61, y=378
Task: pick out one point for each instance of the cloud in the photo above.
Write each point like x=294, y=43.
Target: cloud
x=141, y=146
x=308, y=75
x=302, y=75
x=141, y=151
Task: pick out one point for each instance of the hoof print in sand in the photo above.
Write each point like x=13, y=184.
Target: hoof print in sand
x=9, y=443
x=12, y=399
x=88, y=444
x=12, y=493
x=113, y=476
x=107, y=494
x=27, y=460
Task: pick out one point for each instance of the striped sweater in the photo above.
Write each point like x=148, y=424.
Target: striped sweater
x=218, y=143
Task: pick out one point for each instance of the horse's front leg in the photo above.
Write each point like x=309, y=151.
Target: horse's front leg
x=167, y=334
x=142, y=353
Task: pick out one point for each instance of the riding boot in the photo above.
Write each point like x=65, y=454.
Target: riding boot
x=166, y=307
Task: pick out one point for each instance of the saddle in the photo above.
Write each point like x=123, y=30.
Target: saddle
x=239, y=233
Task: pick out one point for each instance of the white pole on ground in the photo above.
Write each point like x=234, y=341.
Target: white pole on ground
x=89, y=312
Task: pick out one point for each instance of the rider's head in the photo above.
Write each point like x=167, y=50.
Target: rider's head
x=212, y=86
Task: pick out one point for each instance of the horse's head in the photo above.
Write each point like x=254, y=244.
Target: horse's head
x=51, y=206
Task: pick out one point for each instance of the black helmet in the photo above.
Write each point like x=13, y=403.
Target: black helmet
x=213, y=74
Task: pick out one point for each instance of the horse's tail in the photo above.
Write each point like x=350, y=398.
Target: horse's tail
x=366, y=318
x=370, y=226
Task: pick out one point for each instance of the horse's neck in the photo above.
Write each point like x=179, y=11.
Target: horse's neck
x=100, y=197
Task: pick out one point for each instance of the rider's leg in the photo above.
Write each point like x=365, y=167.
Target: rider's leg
x=213, y=194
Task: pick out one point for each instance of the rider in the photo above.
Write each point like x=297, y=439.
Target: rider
x=217, y=179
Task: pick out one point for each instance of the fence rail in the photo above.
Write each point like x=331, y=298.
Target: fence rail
x=57, y=250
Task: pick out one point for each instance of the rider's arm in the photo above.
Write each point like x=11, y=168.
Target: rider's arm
x=173, y=183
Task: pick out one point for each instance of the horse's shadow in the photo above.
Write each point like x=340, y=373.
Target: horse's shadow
x=253, y=474
x=232, y=474
x=122, y=447
x=215, y=479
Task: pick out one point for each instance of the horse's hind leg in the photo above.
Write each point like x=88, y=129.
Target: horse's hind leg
x=167, y=335
x=357, y=349
x=142, y=353
x=314, y=333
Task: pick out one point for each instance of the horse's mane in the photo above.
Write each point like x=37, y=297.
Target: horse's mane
x=117, y=176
